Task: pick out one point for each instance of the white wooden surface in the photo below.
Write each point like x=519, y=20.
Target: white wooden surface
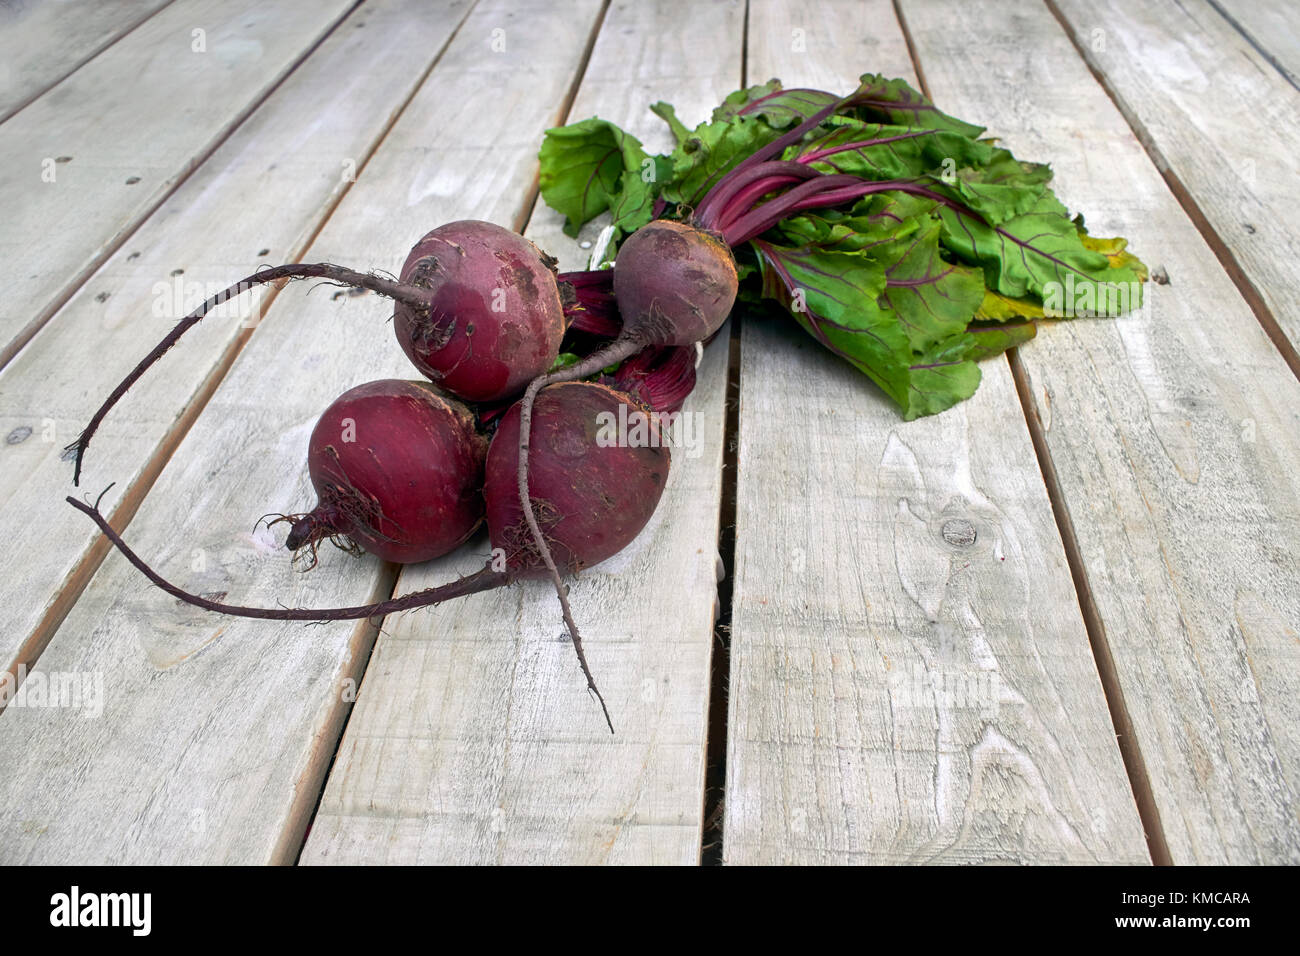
x=1172, y=442
x=1219, y=117
x=81, y=166
x=285, y=150
x=1273, y=25
x=899, y=693
x=41, y=43
x=217, y=733
x=473, y=739
x=1175, y=434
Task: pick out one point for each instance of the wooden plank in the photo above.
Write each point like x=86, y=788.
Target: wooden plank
x=1175, y=437
x=473, y=739
x=1217, y=115
x=911, y=679
x=196, y=243
x=1272, y=26
x=84, y=164
x=216, y=733
x=42, y=44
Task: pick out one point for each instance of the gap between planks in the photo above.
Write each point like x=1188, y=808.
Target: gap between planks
x=611, y=88
x=90, y=55
x=1138, y=778
x=1130, y=752
x=120, y=516
x=562, y=117
x=112, y=245
x=715, y=775
x=1263, y=51
x=294, y=840
x=713, y=835
x=1249, y=291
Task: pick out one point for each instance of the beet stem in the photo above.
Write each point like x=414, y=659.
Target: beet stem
x=710, y=211
x=777, y=146
x=590, y=306
x=409, y=295
x=747, y=197
x=761, y=218
x=484, y=579
x=616, y=351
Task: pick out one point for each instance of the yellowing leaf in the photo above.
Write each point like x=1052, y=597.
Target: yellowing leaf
x=997, y=307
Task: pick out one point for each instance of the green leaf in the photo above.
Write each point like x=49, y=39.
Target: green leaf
x=1039, y=252
x=873, y=151
x=946, y=373
x=994, y=339
x=712, y=150
x=930, y=298
x=591, y=166
x=876, y=219
x=780, y=108
x=903, y=325
x=739, y=100
x=668, y=114
x=563, y=360
x=826, y=293
x=1001, y=189
x=894, y=101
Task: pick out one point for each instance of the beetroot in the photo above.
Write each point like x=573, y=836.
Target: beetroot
x=478, y=310
x=399, y=472
x=594, y=496
x=591, y=501
x=674, y=284
x=495, y=318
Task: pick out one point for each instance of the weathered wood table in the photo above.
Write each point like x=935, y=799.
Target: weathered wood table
x=1058, y=623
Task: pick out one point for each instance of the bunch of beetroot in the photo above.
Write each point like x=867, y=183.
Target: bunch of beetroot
x=523, y=365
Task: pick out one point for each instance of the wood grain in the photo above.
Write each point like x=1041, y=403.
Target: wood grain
x=216, y=734
x=214, y=230
x=473, y=739
x=1273, y=26
x=41, y=44
x=85, y=163
x=911, y=679
x=1218, y=117
x=1175, y=436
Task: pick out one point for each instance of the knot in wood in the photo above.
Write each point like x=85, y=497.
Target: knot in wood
x=959, y=533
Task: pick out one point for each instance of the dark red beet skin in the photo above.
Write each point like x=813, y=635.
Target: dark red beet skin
x=675, y=284
x=590, y=501
x=408, y=485
x=496, y=320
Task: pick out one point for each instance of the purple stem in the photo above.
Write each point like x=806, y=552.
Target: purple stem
x=484, y=579
x=844, y=189
x=774, y=210
x=777, y=146
x=745, y=199
x=588, y=278
x=709, y=212
x=774, y=148
x=594, y=310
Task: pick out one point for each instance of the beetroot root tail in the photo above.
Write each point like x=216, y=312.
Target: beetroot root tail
x=484, y=579
x=615, y=352
x=327, y=272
